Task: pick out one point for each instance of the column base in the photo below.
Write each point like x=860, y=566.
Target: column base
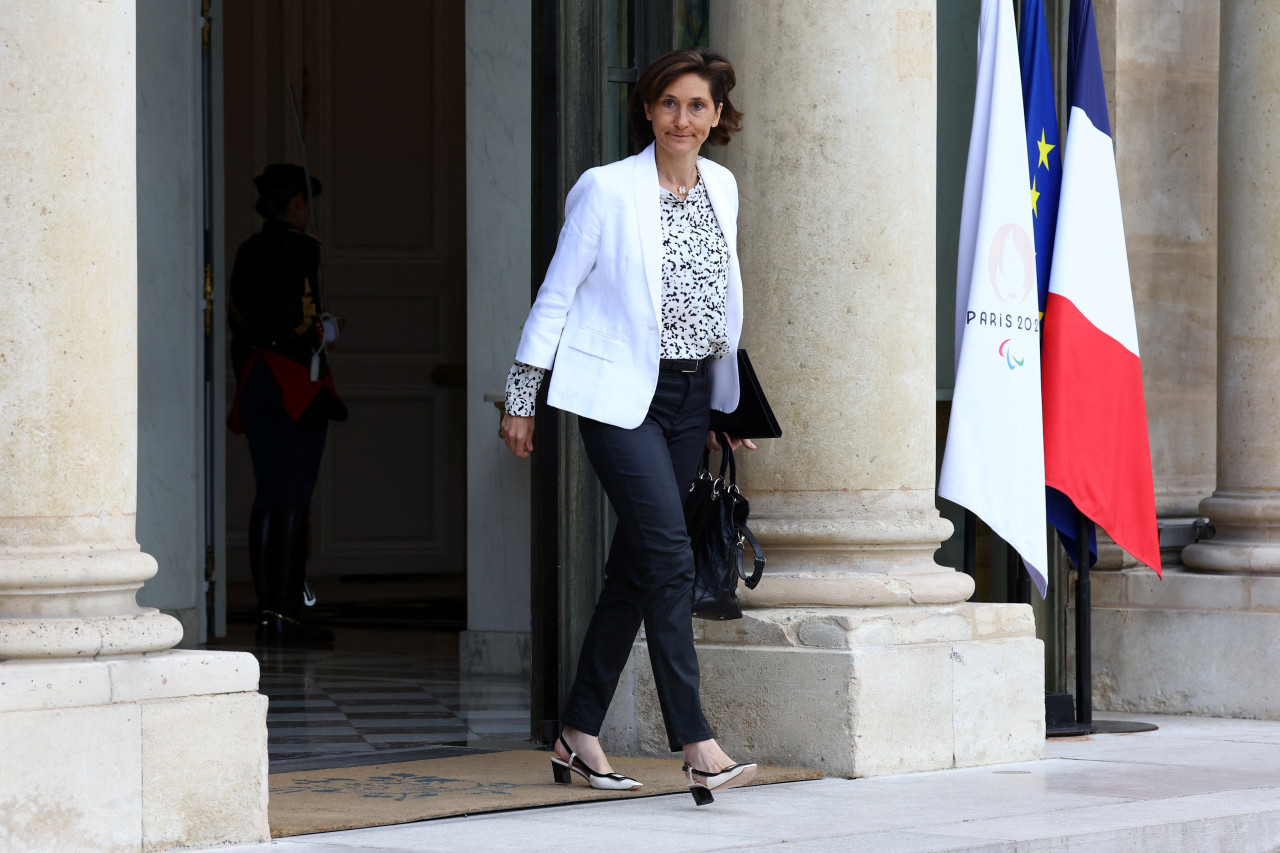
x=1191, y=644
x=865, y=691
x=1247, y=537
x=852, y=549
x=90, y=636
x=148, y=752
x=69, y=586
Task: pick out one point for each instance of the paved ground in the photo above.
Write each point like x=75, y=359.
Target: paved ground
x=1195, y=785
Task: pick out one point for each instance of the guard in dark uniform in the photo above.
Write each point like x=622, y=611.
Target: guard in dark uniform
x=285, y=395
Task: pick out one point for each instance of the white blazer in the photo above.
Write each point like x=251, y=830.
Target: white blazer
x=598, y=314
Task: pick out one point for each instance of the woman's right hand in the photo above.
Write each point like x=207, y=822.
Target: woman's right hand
x=517, y=432
x=713, y=443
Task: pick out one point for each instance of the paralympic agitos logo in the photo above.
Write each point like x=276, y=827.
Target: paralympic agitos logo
x=1006, y=350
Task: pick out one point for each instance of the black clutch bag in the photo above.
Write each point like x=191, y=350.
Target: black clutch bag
x=753, y=418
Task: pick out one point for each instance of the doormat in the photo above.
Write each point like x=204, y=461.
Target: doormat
x=334, y=761
x=304, y=802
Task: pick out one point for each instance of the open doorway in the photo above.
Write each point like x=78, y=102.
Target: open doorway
x=379, y=92
x=379, y=95
x=381, y=105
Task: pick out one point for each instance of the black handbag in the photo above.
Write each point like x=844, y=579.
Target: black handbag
x=753, y=418
x=716, y=515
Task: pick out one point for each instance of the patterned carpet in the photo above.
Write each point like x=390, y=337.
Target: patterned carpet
x=307, y=801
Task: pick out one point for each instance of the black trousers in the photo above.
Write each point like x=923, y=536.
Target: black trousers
x=646, y=472
x=286, y=454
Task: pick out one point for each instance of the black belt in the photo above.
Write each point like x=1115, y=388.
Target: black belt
x=681, y=365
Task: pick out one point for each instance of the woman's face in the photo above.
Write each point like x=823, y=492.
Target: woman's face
x=683, y=115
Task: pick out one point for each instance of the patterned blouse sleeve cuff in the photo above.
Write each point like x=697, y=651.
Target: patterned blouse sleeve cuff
x=523, y=382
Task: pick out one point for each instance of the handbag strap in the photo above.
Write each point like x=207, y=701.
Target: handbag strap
x=727, y=461
x=704, y=473
x=750, y=538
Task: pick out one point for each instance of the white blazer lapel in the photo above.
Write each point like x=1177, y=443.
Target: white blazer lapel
x=648, y=219
x=721, y=204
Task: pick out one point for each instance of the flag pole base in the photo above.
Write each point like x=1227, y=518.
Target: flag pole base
x=1122, y=727
x=1060, y=717
x=1060, y=720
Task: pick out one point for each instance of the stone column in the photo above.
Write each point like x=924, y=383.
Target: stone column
x=1245, y=506
x=835, y=170
x=69, y=563
x=858, y=654
x=1173, y=632
x=110, y=742
x=1161, y=58
x=1165, y=97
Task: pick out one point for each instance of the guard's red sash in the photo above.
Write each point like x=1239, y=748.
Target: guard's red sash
x=297, y=391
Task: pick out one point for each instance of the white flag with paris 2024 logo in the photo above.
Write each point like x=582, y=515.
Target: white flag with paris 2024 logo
x=994, y=459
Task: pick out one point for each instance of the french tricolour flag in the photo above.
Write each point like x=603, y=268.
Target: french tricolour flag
x=1095, y=420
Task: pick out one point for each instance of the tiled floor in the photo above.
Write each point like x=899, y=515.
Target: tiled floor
x=333, y=708
x=391, y=689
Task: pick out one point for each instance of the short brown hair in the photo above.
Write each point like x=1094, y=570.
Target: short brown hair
x=664, y=70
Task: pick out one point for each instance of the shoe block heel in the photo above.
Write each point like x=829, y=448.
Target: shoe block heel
x=701, y=795
x=561, y=773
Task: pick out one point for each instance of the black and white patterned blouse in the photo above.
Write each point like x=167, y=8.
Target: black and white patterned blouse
x=695, y=281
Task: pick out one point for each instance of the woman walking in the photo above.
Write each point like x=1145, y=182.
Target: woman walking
x=640, y=304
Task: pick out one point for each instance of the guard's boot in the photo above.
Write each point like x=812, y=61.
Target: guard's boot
x=264, y=527
x=282, y=625
x=259, y=528
x=278, y=615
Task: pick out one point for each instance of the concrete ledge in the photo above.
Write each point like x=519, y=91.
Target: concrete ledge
x=1207, y=663
x=1185, y=590
x=183, y=673
x=865, y=692
x=204, y=770
x=139, y=753
x=858, y=627
x=32, y=685
x=1192, y=643
x=71, y=779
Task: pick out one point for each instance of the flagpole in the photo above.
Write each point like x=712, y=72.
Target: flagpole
x=1084, y=638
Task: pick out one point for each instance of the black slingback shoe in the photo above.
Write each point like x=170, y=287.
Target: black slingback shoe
x=730, y=777
x=560, y=769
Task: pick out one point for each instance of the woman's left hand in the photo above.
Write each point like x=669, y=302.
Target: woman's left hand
x=734, y=443
x=517, y=433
